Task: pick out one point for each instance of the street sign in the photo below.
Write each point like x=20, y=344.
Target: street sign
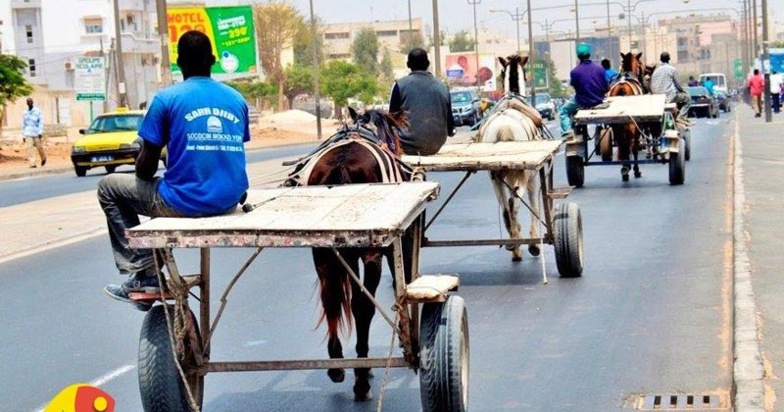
x=540, y=71
x=737, y=67
x=90, y=79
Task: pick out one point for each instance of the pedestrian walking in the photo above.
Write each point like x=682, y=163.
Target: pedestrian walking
x=775, y=91
x=32, y=133
x=756, y=86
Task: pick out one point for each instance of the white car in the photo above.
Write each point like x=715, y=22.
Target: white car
x=545, y=106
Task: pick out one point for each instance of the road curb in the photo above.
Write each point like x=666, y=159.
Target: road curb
x=748, y=369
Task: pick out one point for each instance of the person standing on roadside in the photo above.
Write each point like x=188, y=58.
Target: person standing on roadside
x=32, y=133
x=756, y=88
x=203, y=124
x=775, y=91
x=428, y=104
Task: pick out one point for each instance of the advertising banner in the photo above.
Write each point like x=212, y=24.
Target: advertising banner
x=461, y=70
x=230, y=30
x=90, y=79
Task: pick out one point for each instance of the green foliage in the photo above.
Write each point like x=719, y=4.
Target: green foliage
x=303, y=44
x=412, y=41
x=341, y=80
x=256, y=92
x=387, y=74
x=299, y=80
x=461, y=42
x=12, y=82
x=365, y=50
x=277, y=24
x=431, y=42
x=777, y=44
x=556, y=89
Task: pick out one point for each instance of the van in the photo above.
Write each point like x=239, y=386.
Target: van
x=718, y=79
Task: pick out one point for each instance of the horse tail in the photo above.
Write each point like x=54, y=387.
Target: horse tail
x=339, y=176
x=335, y=288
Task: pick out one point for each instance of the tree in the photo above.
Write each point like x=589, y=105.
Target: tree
x=12, y=82
x=411, y=41
x=431, y=42
x=365, y=50
x=303, y=44
x=258, y=92
x=461, y=42
x=341, y=80
x=277, y=24
x=299, y=79
x=556, y=87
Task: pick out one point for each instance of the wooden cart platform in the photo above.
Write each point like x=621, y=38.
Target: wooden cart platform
x=623, y=109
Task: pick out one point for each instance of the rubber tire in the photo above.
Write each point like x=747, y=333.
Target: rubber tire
x=678, y=165
x=443, y=369
x=160, y=385
x=716, y=115
x=568, y=239
x=81, y=171
x=687, y=145
x=605, y=144
x=110, y=169
x=575, y=171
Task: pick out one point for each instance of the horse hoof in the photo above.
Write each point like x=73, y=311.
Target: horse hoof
x=517, y=256
x=363, y=397
x=362, y=392
x=336, y=375
x=625, y=178
x=510, y=247
x=637, y=175
x=533, y=250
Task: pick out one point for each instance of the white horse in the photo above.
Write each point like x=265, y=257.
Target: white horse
x=514, y=120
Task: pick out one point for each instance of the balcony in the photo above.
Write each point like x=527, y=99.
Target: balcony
x=25, y=4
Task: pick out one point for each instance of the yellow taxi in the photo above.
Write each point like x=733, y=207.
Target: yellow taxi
x=110, y=141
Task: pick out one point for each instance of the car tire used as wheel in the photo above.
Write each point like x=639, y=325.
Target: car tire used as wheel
x=111, y=168
x=568, y=239
x=80, y=171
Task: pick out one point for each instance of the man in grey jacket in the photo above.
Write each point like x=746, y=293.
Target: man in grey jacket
x=428, y=105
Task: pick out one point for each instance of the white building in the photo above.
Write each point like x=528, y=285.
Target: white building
x=51, y=34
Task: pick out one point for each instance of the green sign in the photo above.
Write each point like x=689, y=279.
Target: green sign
x=230, y=30
x=737, y=67
x=90, y=78
x=540, y=73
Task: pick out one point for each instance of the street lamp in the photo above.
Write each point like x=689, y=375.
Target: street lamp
x=476, y=38
x=517, y=16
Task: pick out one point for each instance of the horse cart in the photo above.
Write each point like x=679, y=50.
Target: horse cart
x=175, y=351
x=562, y=221
x=659, y=137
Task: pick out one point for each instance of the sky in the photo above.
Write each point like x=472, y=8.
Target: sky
x=457, y=15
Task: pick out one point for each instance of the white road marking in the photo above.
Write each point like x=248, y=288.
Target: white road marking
x=103, y=380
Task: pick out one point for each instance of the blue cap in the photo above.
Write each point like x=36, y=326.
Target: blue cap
x=583, y=49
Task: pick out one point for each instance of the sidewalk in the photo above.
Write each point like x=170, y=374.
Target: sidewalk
x=761, y=149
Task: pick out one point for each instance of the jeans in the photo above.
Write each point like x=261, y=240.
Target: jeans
x=123, y=198
x=566, y=112
x=776, y=99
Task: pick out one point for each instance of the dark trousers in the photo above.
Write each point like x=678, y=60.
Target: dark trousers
x=776, y=100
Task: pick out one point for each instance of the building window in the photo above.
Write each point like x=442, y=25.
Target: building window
x=332, y=36
x=93, y=25
x=29, y=33
x=386, y=33
x=31, y=67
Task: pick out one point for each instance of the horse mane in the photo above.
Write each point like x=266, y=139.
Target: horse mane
x=509, y=66
x=632, y=69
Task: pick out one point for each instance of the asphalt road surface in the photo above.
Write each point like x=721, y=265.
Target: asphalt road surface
x=650, y=315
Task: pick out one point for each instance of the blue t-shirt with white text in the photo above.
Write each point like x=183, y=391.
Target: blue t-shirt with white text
x=203, y=124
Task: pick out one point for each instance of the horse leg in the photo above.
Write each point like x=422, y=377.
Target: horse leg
x=331, y=274
x=533, y=187
x=623, y=153
x=363, y=310
x=507, y=209
x=514, y=180
x=636, y=153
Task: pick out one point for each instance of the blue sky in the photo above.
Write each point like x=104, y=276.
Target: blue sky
x=456, y=15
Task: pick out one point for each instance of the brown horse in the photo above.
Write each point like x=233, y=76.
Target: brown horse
x=366, y=152
x=630, y=83
x=514, y=120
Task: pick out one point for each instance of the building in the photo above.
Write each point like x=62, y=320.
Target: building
x=51, y=37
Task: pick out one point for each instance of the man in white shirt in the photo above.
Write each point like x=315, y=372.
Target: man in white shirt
x=775, y=90
x=32, y=133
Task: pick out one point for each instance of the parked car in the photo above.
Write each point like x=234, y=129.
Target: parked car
x=702, y=102
x=545, y=106
x=465, y=107
x=110, y=141
x=724, y=101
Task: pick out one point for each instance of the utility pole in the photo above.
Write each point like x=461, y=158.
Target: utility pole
x=436, y=40
x=476, y=40
x=756, y=52
x=123, y=98
x=316, y=70
x=766, y=58
x=577, y=21
x=163, y=33
x=531, y=54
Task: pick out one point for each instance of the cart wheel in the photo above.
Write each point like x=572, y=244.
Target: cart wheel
x=687, y=144
x=605, y=144
x=159, y=380
x=110, y=169
x=80, y=171
x=443, y=374
x=678, y=164
x=575, y=171
x=568, y=234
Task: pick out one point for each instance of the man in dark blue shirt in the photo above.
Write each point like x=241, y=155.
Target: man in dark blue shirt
x=590, y=86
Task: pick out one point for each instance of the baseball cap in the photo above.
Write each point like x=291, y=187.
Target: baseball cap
x=583, y=49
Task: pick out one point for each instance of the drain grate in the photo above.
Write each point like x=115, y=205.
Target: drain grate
x=683, y=402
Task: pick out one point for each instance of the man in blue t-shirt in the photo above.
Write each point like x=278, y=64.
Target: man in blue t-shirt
x=203, y=124
x=589, y=85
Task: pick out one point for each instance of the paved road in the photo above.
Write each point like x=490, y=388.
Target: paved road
x=651, y=314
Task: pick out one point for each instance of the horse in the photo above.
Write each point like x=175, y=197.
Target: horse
x=514, y=120
x=366, y=152
x=630, y=82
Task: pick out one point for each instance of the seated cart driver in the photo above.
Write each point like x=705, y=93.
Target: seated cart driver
x=590, y=86
x=204, y=125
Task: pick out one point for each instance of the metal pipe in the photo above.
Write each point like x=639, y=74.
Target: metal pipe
x=306, y=364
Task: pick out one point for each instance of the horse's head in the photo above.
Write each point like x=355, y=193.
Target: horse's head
x=631, y=66
x=512, y=71
x=385, y=126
